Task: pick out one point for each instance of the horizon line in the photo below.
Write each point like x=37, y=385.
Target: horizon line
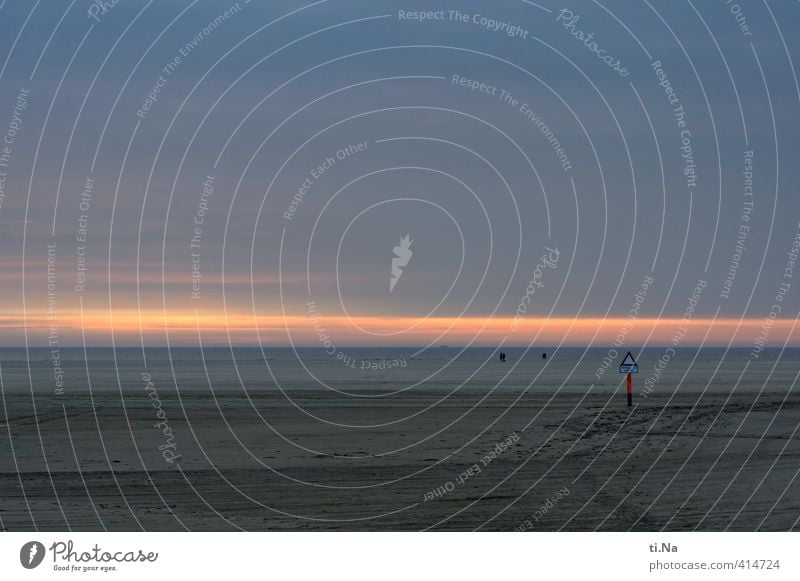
x=398, y=346
x=130, y=327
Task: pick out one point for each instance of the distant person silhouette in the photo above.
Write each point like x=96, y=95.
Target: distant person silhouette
x=502, y=356
x=544, y=355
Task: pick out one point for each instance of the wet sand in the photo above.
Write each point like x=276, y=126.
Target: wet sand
x=540, y=461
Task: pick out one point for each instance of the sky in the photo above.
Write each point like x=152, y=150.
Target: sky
x=209, y=172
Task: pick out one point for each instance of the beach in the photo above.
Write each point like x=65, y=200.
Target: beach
x=483, y=457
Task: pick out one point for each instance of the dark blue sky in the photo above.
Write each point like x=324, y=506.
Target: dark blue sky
x=265, y=94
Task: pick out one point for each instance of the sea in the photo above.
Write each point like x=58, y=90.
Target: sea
x=385, y=371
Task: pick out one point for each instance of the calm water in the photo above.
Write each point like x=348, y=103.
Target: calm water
x=388, y=370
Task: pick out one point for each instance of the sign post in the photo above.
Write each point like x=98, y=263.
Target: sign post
x=630, y=367
x=630, y=390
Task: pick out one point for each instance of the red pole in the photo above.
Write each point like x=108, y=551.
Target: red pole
x=630, y=389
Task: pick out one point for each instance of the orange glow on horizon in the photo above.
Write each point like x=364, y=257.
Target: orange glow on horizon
x=244, y=328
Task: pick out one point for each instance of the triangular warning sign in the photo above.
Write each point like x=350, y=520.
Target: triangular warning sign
x=629, y=360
